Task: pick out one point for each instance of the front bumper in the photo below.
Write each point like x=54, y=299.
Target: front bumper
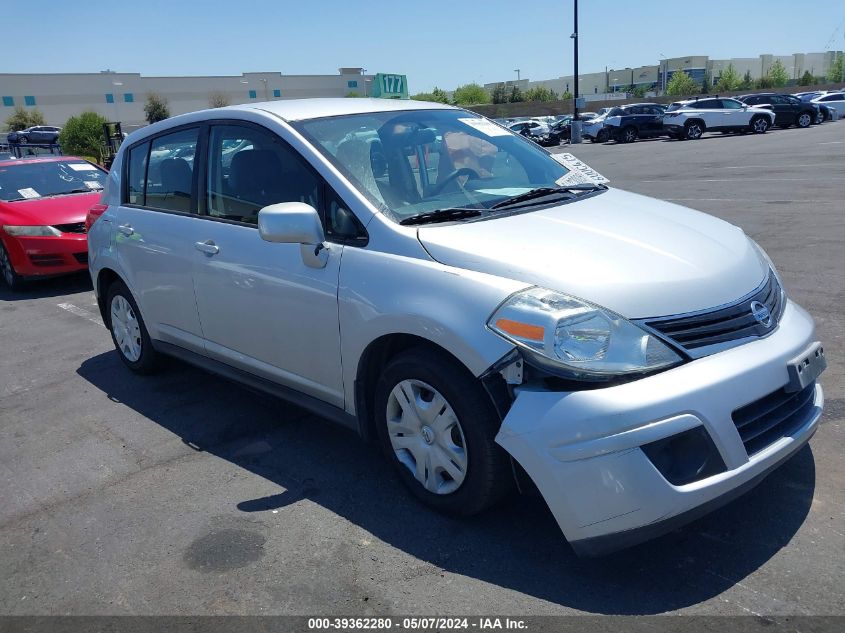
x=46, y=256
x=582, y=449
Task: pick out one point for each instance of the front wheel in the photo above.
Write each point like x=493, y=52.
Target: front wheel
x=7, y=269
x=759, y=124
x=128, y=331
x=437, y=425
x=804, y=119
x=628, y=135
x=602, y=136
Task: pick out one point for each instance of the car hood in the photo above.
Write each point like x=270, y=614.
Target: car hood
x=48, y=211
x=637, y=256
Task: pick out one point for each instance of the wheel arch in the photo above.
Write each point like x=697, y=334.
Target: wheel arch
x=105, y=278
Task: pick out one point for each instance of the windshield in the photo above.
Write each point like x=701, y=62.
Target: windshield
x=26, y=180
x=417, y=161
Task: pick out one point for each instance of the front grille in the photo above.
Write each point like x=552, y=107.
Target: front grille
x=45, y=261
x=773, y=416
x=730, y=323
x=74, y=227
x=82, y=258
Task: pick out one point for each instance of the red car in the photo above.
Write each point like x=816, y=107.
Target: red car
x=43, y=204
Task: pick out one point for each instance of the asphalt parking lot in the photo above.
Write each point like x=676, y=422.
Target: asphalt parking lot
x=181, y=493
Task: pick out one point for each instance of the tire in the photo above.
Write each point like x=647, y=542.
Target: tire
x=627, y=134
x=7, y=270
x=22, y=140
x=448, y=460
x=820, y=118
x=602, y=136
x=759, y=124
x=693, y=130
x=128, y=331
x=805, y=119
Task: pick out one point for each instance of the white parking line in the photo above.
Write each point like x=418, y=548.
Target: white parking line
x=831, y=142
x=81, y=312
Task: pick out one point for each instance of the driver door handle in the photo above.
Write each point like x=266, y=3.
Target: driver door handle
x=208, y=247
x=126, y=229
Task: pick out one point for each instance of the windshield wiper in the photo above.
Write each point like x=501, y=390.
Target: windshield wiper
x=541, y=192
x=441, y=215
x=67, y=193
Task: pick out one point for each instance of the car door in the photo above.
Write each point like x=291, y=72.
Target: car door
x=652, y=121
x=710, y=111
x=155, y=229
x=265, y=308
x=734, y=114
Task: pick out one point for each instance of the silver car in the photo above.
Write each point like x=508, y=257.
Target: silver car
x=450, y=290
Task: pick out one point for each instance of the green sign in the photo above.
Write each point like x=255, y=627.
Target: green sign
x=387, y=86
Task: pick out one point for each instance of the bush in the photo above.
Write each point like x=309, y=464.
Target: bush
x=156, y=108
x=729, y=80
x=500, y=93
x=470, y=94
x=516, y=95
x=437, y=95
x=22, y=119
x=353, y=94
x=778, y=74
x=218, y=100
x=540, y=93
x=83, y=135
x=747, y=82
x=836, y=72
x=807, y=79
x=764, y=82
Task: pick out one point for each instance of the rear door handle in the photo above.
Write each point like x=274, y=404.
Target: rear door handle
x=208, y=247
x=126, y=229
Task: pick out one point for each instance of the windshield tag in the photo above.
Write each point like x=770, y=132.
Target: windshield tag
x=82, y=167
x=485, y=126
x=580, y=173
x=93, y=184
x=29, y=192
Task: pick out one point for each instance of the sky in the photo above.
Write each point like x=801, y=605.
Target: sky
x=443, y=43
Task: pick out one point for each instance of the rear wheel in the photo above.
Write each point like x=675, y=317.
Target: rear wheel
x=22, y=140
x=628, y=135
x=7, y=269
x=437, y=425
x=602, y=136
x=128, y=330
x=759, y=124
x=820, y=117
x=804, y=119
x=693, y=130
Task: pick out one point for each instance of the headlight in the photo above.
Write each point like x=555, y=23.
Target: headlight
x=766, y=260
x=32, y=231
x=583, y=340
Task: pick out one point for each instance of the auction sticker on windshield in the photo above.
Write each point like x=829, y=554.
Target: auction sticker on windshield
x=29, y=192
x=485, y=126
x=580, y=173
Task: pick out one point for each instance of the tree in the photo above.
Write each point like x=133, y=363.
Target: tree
x=681, y=83
x=706, y=85
x=156, y=108
x=639, y=91
x=437, y=95
x=540, y=93
x=778, y=74
x=470, y=94
x=500, y=93
x=836, y=72
x=729, y=80
x=83, y=135
x=747, y=82
x=218, y=99
x=22, y=118
x=806, y=79
x=516, y=95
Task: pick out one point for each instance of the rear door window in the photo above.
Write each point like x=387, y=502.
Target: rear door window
x=170, y=171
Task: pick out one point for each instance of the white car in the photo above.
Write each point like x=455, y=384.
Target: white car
x=834, y=101
x=691, y=118
x=483, y=311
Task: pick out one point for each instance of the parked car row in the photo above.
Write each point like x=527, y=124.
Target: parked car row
x=687, y=119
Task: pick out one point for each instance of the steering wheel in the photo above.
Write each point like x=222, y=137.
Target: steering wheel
x=463, y=171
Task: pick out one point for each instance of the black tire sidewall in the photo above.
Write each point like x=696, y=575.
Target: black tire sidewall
x=487, y=478
x=148, y=361
x=17, y=281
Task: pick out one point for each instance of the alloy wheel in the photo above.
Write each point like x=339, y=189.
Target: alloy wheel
x=694, y=131
x=804, y=120
x=126, y=329
x=760, y=125
x=426, y=436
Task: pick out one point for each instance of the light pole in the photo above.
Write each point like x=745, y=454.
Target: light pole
x=516, y=70
x=575, y=129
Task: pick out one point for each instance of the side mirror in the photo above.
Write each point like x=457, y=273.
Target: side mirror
x=290, y=223
x=295, y=223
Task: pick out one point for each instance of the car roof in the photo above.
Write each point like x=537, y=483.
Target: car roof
x=37, y=159
x=301, y=109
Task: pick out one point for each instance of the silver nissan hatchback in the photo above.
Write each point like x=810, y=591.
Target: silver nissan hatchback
x=484, y=311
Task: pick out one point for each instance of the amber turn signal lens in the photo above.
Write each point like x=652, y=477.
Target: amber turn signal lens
x=522, y=330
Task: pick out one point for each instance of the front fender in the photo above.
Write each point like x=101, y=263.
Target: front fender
x=381, y=294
